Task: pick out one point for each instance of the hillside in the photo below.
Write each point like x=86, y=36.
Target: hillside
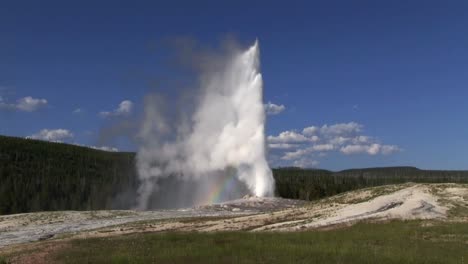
x=44, y=176
x=310, y=184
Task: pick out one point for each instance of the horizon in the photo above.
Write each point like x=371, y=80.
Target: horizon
x=285, y=167
x=345, y=85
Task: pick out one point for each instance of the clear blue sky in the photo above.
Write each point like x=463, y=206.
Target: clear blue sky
x=397, y=68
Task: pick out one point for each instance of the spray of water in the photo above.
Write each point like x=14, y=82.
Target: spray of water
x=214, y=152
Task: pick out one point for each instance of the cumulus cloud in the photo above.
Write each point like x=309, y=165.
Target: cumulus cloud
x=274, y=109
x=316, y=141
x=292, y=155
x=372, y=149
x=288, y=137
x=336, y=129
x=310, y=131
x=124, y=108
x=25, y=104
x=55, y=135
x=323, y=147
x=281, y=145
x=336, y=134
x=29, y=104
x=357, y=149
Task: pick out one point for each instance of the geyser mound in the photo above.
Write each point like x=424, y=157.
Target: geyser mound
x=213, y=152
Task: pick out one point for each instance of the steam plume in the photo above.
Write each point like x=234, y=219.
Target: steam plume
x=217, y=147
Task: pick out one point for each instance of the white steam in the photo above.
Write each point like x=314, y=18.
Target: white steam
x=223, y=133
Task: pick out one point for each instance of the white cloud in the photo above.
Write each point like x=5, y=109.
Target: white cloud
x=335, y=134
x=309, y=131
x=56, y=135
x=288, y=137
x=317, y=141
x=124, y=108
x=29, y=104
x=339, y=140
x=281, y=145
x=292, y=155
x=373, y=149
x=354, y=149
x=362, y=139
x=341, y=129
x=323, y=147
x=274, y=109
x=314, y=138
x=25, y=104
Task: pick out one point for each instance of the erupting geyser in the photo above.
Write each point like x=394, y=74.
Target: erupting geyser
x=215, y=151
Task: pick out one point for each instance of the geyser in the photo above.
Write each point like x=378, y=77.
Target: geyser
x=213, y=152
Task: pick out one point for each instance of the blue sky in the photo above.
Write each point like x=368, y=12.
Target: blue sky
x=396, y=71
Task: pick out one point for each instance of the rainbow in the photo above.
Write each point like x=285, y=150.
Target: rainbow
x=218, y=192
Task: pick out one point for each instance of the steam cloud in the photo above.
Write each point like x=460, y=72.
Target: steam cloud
x=214, y=151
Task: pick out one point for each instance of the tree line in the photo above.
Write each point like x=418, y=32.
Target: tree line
x=45, y=176
x=310, y=184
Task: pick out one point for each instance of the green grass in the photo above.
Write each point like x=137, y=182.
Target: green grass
x=394, y=242
x=458, y=211
x=3, y=260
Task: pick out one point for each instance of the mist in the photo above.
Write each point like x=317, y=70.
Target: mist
x=211, y=147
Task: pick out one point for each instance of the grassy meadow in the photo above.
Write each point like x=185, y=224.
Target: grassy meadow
x=393, y=242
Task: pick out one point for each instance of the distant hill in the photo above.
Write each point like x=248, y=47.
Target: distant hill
x=43, y=176
x=310, y=184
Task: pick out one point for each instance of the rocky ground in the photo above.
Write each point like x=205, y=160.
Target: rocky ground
x=30, y=227
x=445, y=202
